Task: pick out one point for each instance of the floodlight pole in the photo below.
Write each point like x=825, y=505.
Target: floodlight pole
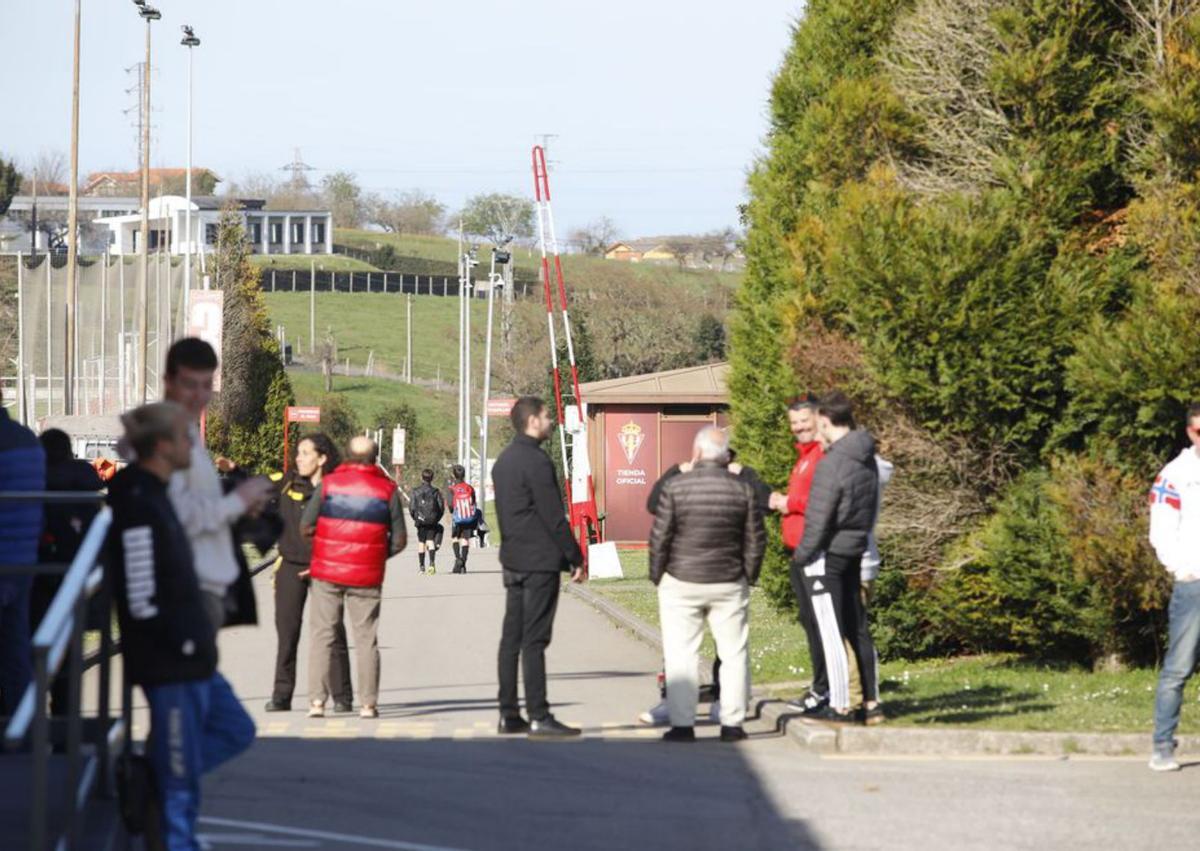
x=189, y=41
x=461, y=287
x=72, y=234
x=493, y=279
x=149, y=14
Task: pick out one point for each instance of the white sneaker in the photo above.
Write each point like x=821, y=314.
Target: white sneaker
x=316, y=710
x=656, y=716
x=714, y=712
x=1163, y=759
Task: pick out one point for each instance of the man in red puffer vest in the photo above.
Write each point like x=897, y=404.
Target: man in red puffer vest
x=358, y=523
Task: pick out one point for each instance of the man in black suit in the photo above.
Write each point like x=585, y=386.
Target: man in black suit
x=536, y=547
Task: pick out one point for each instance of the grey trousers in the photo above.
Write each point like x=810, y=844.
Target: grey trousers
x=326, y=604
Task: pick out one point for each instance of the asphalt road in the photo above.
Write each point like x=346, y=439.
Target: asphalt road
x=431, y=773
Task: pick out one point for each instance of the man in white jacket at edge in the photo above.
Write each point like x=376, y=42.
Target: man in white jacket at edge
x=1175, y=536
x=205, y=511
x=869, y=572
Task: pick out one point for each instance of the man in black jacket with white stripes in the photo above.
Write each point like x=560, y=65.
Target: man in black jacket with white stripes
x=841, y=511
x=536, y=547
x=168, y=640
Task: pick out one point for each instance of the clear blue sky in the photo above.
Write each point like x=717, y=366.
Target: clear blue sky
x=658, y=105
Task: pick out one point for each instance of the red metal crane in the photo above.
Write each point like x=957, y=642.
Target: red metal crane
x=572, y=418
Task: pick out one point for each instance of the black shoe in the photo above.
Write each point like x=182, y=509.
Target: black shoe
x=343, y=706
x=732, y=734
x=811, y=705
x=551, y=728
x=514, y=724
x=278, y=706
x=680, y=734
x=871, y=717
x=828, y=715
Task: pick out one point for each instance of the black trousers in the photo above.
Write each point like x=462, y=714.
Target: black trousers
x=816, y=653
x=530, y=605
x=290, y=593
x=835, y=593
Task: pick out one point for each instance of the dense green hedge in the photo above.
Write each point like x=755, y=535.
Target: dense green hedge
x=1019, y=321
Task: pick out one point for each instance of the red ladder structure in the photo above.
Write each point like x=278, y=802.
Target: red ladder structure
x=572, y=421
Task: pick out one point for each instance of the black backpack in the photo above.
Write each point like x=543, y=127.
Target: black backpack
x=425, y=509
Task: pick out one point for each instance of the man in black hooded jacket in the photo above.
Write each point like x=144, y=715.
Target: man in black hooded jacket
x=168, y=640
x=837, y=523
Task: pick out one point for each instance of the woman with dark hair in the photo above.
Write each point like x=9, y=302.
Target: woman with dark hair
x=316, y=455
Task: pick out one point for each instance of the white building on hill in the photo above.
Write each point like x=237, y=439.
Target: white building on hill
x=267, y=231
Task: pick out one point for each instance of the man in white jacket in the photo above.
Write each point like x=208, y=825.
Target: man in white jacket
x=871, y=711
x=1175, y=536
x=205, y=511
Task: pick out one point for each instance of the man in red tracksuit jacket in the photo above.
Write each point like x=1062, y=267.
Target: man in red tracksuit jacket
x=802, y=419
x=359, y=523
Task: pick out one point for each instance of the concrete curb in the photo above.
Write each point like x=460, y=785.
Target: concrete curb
x=618, y=615
x=887, y=740
x=923, y=741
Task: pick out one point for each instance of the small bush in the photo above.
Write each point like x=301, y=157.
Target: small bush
x=1012, y=585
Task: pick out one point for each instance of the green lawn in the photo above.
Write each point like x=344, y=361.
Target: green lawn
x=365, y=322
x=369, y=396
x=304, y=262
x=436, y=411
x=994, y=691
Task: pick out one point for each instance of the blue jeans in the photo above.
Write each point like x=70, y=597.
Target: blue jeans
x=16, y=654
x=194, y=727
x=1183, y=648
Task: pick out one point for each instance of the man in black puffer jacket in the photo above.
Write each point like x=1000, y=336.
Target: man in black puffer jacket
x=837, y=523
x=706, y=549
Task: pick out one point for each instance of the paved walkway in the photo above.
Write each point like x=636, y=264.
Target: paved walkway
x=430, y=773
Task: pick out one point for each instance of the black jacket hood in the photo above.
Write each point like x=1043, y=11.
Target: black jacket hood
x=858, y=446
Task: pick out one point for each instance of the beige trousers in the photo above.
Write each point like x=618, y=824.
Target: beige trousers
x=327, y=602
x=683, y=609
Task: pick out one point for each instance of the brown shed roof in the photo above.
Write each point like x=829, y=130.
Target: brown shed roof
x=694, y=385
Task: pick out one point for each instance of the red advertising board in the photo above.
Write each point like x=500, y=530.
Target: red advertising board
x=630, y=471
x=297, y=414
x=500, y=407
x=303, y=414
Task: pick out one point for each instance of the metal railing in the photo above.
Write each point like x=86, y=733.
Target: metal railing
x=58, y=641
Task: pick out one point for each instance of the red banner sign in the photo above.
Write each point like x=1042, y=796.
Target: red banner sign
x=303, y=414
x=500, y=407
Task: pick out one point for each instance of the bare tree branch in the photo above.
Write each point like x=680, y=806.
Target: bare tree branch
x=938, y=62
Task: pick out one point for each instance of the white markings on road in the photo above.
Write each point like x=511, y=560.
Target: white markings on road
x=343, y=838
x=253, y=840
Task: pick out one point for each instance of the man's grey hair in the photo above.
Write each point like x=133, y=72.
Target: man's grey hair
x=712, y=444
x=363, y=450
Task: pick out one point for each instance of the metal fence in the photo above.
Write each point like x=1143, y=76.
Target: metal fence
x=105, y=332
x=300, y=280
x=58, y=647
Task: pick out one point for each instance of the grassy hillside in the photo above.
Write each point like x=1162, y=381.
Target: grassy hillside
x=578, y=269
x=361, y=322
x=436, y=411
x=369, y=396
x=304, y=262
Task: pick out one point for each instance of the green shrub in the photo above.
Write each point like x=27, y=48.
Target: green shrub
x=1013, y=586
x=1106, y=525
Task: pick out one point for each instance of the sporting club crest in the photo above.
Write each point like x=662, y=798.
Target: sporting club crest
x=631, y=437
